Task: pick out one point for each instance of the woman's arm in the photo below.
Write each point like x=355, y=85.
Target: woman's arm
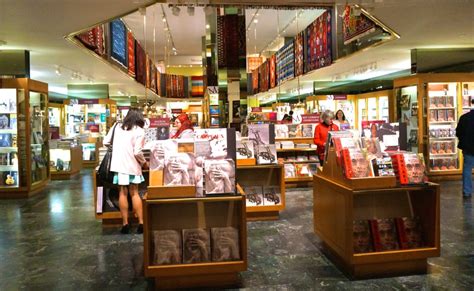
x=138, y=147
x=317, y=137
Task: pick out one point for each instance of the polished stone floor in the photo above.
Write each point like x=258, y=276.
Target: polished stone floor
x=53, y=242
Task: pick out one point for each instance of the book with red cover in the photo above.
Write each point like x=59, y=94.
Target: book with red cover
x=409, y=168
x=384, y=233
x=355, y=163
x=409, y=232
x=362, y=238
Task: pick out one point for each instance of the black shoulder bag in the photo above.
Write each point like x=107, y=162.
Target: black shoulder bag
x=105, y=175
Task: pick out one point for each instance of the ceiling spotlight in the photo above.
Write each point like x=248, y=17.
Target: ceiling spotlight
x=175, y=53
x=174, y=49
x=163, y=19
x=175, y=10
x=190, y=10
x=58, y=71
x=255, y=20
x=208, y=26
x=73, y=75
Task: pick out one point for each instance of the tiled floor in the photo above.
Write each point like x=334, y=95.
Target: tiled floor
x=52, y=241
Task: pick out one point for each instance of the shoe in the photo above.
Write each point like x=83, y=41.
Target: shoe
x=140, y=229
x=125, y=229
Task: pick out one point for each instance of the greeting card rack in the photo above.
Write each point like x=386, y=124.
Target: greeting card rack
x=204, y=213
x=262, y=175
x=339, y=201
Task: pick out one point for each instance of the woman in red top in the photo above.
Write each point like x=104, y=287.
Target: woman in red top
x=321, y=133
x=185, y=127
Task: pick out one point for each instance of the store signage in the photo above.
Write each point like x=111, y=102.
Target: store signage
x=340, y=97
x=256, y=109
x=88, y=101
x=310, y=118
x=177, y=111
x=123, y=107
x=159, y=122
x=212, y=90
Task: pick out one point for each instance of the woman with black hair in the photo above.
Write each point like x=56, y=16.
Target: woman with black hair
x=340, y=118
x=127, y=163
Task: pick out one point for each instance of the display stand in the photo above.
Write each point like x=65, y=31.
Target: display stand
x=339, y=201
x=93, y=146
x=297, y=180
x=262, y=175
x=192, y=213
x=75, y=160
x=24, y=135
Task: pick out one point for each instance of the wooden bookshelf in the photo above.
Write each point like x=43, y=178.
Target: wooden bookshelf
x=187, y=213
x=339, y=201
x=297, y=181
x=263, y=175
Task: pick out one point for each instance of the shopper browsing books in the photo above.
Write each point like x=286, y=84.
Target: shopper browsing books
x=321, y=133
x=340, y=119
x=184, y=126
x=465, y=134
x=127, y=163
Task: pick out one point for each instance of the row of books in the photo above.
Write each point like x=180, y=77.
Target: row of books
x=191, y=246
x=442, y=132
x=442, y=115
x=378, y=235
x=9, y=159
x=443, y=164
x=288, y=144
x=262, y=195
x=263, y=153
x=294, y=130
x=300, y=170
x=443, y=147
x=299, y=157
x=441, y=101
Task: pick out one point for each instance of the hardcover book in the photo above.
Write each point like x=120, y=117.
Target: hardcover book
x=281, y=131
x=196, y=246
x=254, y=195
x=409, y=232
x=307, y=130
x=179, y=169
x=5, y=139
x=362, y=238
x=293, y=131
x=290, y=171
x=271, y=195
x=267, y=154
x=219, y=176
x=382, y=166
x=384, y=234
x=158, y=150
x=245, y=149
x=355, y=163
x=225, y=244
x=372, y=146
x=168, y=247
x=5, y=121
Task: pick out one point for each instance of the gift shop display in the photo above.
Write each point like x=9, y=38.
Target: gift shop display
x=24, y=150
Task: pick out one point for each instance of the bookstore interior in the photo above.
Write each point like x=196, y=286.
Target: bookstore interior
x=281, y=100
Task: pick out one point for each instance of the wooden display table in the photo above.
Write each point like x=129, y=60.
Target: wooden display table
x=262, y=175
x=75, y=164
x=92, y=163
x=191, y=213
x=339, y=201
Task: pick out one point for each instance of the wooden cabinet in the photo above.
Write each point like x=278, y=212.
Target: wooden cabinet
x=71, y=160
x=24, y=135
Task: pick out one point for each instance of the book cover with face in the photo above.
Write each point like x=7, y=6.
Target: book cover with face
x=5, y=121
x=179, y=169
x=415, y=168
x=385, y=234
x=219, y=176
x=196, y=246
x=225, y=244
x=244, y=149
x=409, y=232
x=158, y=150
x=359, y=166
x=271, y=195
x=361, y=237
x=168, y=247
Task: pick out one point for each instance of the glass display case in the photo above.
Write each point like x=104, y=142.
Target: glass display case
x=65, y=159
x=24, y=135
x=373, y=106
x=431, y=105
x=89, y=116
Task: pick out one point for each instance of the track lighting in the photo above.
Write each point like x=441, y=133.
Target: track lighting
x=58, y=71
x=175, y=10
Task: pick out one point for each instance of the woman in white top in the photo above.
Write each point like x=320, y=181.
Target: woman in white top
x=127, y=163
x=185, y=127
x=340, y=118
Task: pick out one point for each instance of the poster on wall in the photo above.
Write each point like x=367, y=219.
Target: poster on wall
x=255, y=81
x=272, y=71
x=299, y=54
x=319, y=48
x=197, y=86
x=355, y=25
x=140, y=64
x=118, y=42
x=131, y=54
x=264, y=76
x=93, y=39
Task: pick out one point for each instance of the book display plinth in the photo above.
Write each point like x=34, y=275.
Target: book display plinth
x=192, y=265
x=338, y=203
x=92, y=160
x=75, y=168
x=264, y=176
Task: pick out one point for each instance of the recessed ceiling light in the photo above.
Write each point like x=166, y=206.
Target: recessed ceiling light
x=208, y=26
x=163, y=19
x=255, y=20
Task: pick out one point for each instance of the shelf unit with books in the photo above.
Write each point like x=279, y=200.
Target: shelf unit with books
x=24, y=135
x=341, y=204
x=255, y=181
x=434, y=103
x=171, y=253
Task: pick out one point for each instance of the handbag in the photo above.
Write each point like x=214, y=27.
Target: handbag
x=105, y=175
